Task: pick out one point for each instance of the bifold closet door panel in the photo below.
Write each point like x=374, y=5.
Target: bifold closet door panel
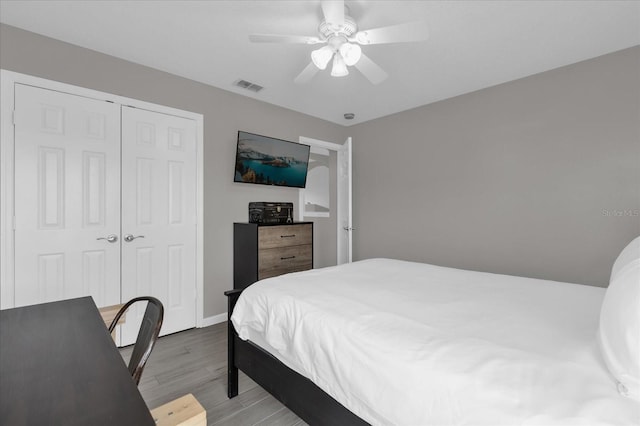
x=159, y=216
x=67, y=197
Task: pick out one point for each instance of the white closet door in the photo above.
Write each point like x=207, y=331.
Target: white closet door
x=159, y=210
x=67, y=196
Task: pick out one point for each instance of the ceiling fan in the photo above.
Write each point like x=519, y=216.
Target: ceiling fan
x=339, y=33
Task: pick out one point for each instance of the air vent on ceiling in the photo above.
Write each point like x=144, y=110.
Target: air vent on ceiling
x=248, y=85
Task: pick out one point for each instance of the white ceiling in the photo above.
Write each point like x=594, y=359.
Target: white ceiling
x=472, y=44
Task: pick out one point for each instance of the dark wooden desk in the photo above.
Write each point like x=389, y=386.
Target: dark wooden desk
x=59, y=366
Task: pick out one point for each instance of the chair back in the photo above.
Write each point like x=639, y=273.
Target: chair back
x=147, y=335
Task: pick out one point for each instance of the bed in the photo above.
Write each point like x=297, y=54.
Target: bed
x=384, y=342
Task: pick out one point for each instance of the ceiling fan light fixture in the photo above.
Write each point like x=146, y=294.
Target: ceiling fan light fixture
x=343, y=40
x=351, y=53
x=339, y=67
x=322, y=56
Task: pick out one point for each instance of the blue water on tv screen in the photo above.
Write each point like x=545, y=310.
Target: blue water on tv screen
x=270, y=161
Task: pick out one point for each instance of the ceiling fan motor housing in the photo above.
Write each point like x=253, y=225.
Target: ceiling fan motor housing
x=327, y=30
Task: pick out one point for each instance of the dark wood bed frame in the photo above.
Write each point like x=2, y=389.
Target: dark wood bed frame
x=298, y=393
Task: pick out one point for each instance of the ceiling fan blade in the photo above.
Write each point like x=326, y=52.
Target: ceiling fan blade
x=333, y=11
x=278, y=38
x=411, y=31
x=307, y=74
x=371, y=70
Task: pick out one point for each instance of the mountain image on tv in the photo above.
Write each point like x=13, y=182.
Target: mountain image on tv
x=269, y=161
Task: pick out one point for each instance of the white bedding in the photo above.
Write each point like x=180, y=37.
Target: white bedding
x=406, y=343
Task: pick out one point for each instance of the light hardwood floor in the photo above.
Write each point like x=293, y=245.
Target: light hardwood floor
x=195, y=361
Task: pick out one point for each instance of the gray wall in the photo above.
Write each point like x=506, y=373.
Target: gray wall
x=537, y=177
x=224, y=113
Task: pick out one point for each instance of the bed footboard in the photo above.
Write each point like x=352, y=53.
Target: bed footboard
x=295, y=391
x=232, y=369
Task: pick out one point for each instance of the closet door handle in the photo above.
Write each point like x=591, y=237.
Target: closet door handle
x=110, y=238
x=129, y=237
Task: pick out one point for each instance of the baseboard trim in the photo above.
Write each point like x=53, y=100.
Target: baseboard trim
x=216, y=319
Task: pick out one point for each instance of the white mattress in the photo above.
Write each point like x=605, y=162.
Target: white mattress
x=406, y=343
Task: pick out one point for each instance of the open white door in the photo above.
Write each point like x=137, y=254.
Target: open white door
x=344, y=198
x=345, y=216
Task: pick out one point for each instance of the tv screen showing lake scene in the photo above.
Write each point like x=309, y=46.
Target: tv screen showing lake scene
x=269, y=161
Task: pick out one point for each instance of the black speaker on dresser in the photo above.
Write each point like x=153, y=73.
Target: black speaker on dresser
x=270, y=212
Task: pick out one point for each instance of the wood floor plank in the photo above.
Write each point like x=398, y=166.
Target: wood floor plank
x=225, y=409
x=252, y=414
x=195, y=361
x=282, y=417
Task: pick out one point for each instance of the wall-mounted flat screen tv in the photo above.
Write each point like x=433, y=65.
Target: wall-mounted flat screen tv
x=270, y=161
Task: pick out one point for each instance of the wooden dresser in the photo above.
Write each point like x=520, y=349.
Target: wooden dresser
x=263, y=251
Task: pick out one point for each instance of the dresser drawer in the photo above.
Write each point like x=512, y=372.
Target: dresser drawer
x=284, y=236
x=262, y=251
x=278, y=261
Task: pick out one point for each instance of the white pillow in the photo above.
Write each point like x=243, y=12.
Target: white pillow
x=619, y=333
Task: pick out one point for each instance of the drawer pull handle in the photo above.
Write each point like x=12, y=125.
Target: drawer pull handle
x=287, y=258
x=288, y=236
